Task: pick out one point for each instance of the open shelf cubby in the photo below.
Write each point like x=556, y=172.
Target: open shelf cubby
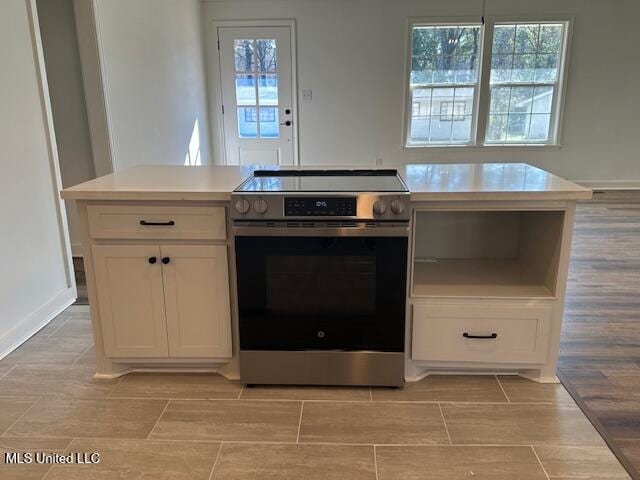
x=487, y=253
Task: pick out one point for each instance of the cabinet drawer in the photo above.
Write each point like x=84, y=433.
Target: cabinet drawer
x=521, y=333
x=157, y=222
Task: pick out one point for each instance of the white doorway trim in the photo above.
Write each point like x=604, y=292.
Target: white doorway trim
x=70, y=294
x=215, y=82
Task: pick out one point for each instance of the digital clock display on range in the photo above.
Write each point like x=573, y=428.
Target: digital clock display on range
x=319, y=206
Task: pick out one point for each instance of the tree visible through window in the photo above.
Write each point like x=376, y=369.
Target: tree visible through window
x=256, y=88
x=524, y=82
x=444, y=78
x=524, y=85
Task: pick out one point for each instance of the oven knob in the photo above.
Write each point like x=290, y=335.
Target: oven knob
x=242, y=206
x=397, y=207
x=379, y=207
x=260, y=206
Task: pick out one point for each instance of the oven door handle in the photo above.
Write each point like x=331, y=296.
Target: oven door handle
x=301, y=231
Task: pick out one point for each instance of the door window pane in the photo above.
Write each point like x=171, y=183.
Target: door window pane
x=244, y=55
x=268, y=89
x=256, y=85
x=269, y=122
x=247, y=122
x=266, y=56
x=245, y=89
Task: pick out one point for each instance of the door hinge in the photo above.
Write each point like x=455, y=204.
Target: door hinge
x=223, y=109
x=218, y=44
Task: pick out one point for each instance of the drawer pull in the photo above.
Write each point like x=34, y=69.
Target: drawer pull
x=170, y=223
x=482, y=337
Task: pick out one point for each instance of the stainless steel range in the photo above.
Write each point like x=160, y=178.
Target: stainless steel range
x=321, y=259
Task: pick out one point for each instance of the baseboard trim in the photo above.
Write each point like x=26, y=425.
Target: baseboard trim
x=34, y=322
x=131, y=369
x=431, y=372
x=610, y=184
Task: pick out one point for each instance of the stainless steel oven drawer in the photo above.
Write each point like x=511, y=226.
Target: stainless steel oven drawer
x=313, y=367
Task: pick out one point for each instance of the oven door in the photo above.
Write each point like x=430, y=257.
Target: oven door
x=344, y=293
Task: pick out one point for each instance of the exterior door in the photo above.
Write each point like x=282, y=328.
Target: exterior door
x=257, y=95
x=131, y=300
x=196, y=287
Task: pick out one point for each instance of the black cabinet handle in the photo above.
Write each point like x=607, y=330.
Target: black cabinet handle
x=481, y=337
x=170, y=223
x=165, y=260
x=152, y=260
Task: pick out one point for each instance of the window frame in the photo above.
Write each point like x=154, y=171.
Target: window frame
x=558, y=103
x=481, y=102
x=435, y=22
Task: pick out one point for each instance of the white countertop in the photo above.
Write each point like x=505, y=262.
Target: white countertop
x=488, y=181
x=162, y=182
x=426, y=182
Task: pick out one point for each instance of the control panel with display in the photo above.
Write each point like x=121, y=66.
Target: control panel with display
x=318, y=206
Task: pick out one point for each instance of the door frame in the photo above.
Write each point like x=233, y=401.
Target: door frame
x=215, y=82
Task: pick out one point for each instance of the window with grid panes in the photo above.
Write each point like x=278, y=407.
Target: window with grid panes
x=524, y=82
x=523, y=90
x=453, y=111
x=444, y=72
x=256, y=87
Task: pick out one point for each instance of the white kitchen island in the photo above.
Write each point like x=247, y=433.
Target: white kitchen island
x=488, y=263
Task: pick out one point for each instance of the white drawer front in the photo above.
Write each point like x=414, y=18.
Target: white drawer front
x=157, y=222
x=521, y=333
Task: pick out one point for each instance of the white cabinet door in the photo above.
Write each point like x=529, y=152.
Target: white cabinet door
x=196, y=285
x=131, y=300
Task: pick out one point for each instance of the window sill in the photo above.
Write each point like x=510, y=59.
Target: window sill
x=488, y=147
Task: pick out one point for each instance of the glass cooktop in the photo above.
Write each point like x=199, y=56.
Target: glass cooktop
x=323, y=181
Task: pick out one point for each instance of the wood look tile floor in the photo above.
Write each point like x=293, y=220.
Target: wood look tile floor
x=202, y=426
x=181, y=426
x=600, y=345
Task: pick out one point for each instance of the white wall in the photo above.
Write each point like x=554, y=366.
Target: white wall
x=351, y=53
x=153, y=77
x=34, y=273
x=64, y=75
